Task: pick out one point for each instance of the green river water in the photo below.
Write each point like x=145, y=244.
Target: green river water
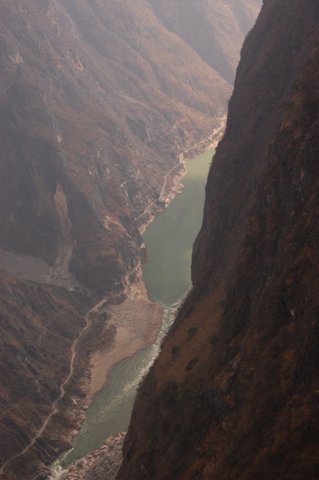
x=169, y=239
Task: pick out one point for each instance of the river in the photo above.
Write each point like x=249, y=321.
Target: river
x=169, y=239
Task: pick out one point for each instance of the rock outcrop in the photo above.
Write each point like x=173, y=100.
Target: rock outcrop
x=103, y=463
x=97, y=101
x=234, y=392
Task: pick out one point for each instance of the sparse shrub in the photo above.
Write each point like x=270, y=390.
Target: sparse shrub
x=213, y=339
x=191, y=364
x=191, y=332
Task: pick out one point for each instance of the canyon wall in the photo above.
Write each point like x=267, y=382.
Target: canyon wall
x=234, y=392
x=97, y=101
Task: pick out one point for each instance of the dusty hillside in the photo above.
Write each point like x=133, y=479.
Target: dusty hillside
x=234, y=393
x=97, y=101
x=215, y=30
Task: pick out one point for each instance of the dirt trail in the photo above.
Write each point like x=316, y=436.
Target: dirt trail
x=54, y=406
x=206, y=144
x=162, y=196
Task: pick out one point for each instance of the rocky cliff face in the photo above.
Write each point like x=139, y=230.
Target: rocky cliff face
x=234, y=392
x=97, y=101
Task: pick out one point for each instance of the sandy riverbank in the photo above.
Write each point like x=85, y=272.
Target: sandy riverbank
x=137, y=322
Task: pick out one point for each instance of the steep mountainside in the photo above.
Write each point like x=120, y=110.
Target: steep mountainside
x=234, y=392
x=87, y=99
x=98, y=99
x=215, y=30
x=38, y=327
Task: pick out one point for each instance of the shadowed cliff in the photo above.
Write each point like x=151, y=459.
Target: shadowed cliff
x=234, y=392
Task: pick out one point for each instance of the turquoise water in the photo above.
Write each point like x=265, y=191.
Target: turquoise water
x=169, y=239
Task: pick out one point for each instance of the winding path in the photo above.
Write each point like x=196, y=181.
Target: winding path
x=162, y=192
x=54, y=406
x=214, y=138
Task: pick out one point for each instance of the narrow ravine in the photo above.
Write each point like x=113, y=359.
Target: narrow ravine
x=169, y=239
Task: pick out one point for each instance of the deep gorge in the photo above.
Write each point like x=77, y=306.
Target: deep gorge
x=234, y=392
x=111, y=408
x=100, y=102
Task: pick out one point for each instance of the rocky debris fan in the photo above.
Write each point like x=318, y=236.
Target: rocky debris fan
x=103, y=463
